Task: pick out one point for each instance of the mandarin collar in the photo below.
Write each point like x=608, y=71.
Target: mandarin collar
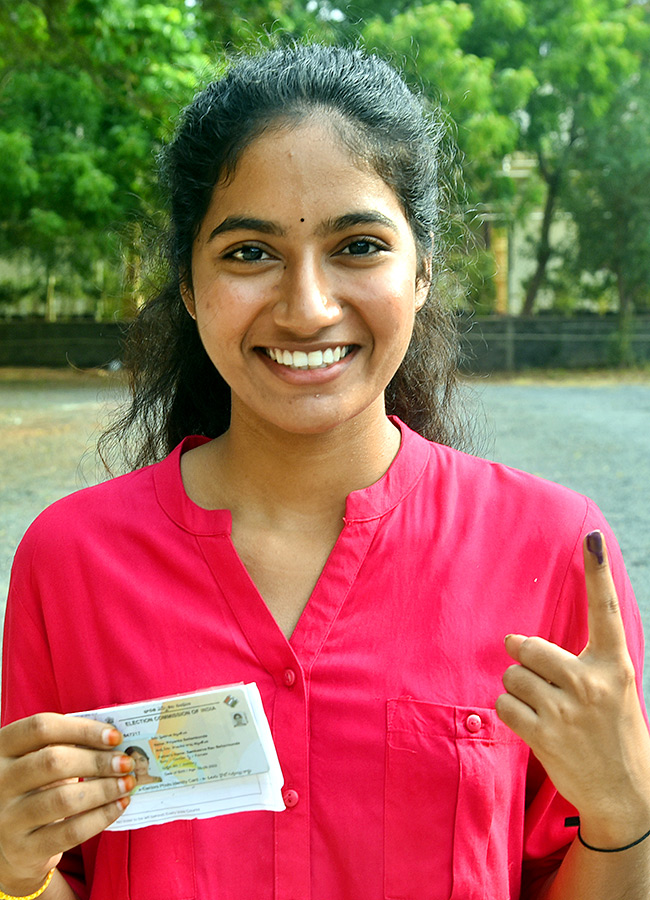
x=367, y=503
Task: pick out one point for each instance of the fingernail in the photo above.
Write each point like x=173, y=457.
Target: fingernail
x=595, y=546
x=506, y=638
x=122, y=763
x=125, y=785
x=111, y=736
x=123, y=802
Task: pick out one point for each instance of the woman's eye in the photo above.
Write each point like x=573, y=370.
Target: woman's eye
x=361, y=248
x=248, y=254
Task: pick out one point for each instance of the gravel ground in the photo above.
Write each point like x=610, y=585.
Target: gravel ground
x=590, y=433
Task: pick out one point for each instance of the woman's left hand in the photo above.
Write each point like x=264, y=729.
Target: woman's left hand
x=581, y=715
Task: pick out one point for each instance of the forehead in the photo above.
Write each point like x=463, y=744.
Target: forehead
x=304, y=165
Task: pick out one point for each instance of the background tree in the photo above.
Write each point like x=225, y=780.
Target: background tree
x=580, y=52
x=89, y=88
x=608, y=196
x=80, y=114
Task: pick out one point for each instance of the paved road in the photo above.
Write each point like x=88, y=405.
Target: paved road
x=593, y=436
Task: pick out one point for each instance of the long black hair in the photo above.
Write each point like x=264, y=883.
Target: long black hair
x=175, y=388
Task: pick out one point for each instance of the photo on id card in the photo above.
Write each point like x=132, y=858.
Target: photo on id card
x=189, y=740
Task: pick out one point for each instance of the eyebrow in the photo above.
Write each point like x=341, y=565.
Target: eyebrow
x=245, y=223
x=329, y=226
x=349, y=220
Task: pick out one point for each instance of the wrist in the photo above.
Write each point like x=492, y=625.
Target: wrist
x=615, y=831
x=25, y=887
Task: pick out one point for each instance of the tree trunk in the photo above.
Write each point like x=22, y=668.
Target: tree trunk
x=624, y=354
x=50, y=297
x=544, y=246
x=553, y=178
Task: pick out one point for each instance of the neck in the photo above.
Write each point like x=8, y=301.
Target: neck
x=279, y=474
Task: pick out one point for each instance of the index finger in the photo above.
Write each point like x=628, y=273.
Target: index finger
x=606, y=631
x=43, y=729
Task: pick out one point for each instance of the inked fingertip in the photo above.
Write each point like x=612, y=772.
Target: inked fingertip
x=595, y=546
x=111, y=736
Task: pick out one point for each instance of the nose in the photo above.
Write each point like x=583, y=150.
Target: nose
x=307, y=302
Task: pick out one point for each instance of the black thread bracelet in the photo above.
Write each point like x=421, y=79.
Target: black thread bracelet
x=611, y=849
x=572, y=821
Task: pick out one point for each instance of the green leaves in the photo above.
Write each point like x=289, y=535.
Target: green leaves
x=18, y=177
x=90, y=88
x=88, y=91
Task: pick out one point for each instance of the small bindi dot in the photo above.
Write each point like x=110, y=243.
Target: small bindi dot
x=302, y=220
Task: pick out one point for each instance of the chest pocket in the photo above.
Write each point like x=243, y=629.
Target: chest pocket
x=455, y=777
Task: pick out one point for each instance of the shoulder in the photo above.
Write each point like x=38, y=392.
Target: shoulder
x=90, y=513
x=483, y=484
x=82, y=505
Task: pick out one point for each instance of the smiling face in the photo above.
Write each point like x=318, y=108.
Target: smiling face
x=304, y=282
x=141, y=762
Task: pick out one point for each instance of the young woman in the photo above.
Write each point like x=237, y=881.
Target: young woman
x=141, y=771
x=363, y=576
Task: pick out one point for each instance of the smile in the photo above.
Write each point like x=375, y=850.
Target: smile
x=316, y=359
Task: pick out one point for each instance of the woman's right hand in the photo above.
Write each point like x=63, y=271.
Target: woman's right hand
x=45, y=808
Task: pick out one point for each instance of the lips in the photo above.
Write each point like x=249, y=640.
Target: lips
x=314, y=359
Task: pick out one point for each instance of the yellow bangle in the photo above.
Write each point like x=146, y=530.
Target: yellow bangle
x=33, y=896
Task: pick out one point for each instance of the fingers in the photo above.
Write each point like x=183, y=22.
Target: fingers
x=531, y=685
x=35, y=732
x=54, y=768
x=45, y=767
x=548, y=661
x=581, y=715
x=68, y=833
x=25, y=852
x=71, y=799
x=74, y=831
x=529, y=693
x=518, y=716
x=606, y=631
x=61, y=782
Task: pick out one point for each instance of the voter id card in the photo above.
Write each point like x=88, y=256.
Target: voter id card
x=196, y=755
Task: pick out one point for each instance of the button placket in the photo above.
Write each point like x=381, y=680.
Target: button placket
x=291, y=733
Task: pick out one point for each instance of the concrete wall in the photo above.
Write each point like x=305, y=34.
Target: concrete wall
x=492, y=344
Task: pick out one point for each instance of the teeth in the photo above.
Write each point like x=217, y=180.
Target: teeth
x=316, y=359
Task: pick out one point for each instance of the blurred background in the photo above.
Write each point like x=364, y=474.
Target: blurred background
x=550, y=100
x=549, y=105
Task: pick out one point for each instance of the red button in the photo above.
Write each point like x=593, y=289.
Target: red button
x=289, y=677
x=290, y=798
x=473, y=723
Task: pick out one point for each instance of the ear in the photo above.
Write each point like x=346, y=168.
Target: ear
x=423, y=283
x=187, y=293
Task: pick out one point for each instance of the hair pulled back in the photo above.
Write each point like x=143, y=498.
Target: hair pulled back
x=175, y=388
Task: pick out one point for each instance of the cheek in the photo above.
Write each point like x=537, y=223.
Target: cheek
x=396, y=312
x=219, y=319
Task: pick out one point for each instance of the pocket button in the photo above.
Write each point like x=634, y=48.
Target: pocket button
x=473, y=723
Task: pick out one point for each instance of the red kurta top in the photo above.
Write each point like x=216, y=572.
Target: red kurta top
x=400, y=781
